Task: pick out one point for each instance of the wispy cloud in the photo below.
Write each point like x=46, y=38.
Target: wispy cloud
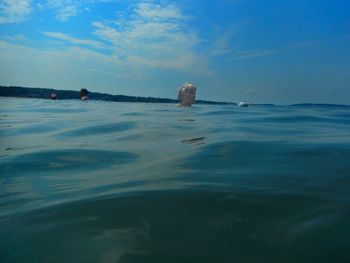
x=67, y=12
x=155, y=12
x=262, y=53
x=74, y=66
x=14, y=11
x=253, y=54
x=19, y=38
x=75, y=41
x=220, y=52
x=221, y=44
x=155, y=36
x=138, y=42
x=66, y=9
x=307, y=44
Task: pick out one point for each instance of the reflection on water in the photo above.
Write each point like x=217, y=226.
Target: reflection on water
x=133, y=182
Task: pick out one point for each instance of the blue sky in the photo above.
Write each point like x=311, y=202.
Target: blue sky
x=262, y=51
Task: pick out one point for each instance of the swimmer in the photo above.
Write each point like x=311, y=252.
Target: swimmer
x=243, y=103
x=84, y=94
x=186, y=95
x=53, y=96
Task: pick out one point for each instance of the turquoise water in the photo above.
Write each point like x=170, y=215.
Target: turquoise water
x=127, y=182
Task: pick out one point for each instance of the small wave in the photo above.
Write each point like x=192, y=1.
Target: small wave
x=63, y=161
x=98, y=129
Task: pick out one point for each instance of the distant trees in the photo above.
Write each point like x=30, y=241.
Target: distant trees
x=24, y=92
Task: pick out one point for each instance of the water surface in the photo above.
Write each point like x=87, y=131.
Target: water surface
x=131, y=182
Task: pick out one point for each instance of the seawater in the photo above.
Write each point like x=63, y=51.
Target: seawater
x=130, y=182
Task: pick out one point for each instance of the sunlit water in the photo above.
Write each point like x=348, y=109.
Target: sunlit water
x=127, y=182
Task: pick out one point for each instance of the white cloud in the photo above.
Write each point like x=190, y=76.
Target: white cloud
x=14, y=11
x=153, y=11
x=75, y=41
x=155, y=36
x=19, y=38
x=66, y=9
x=67, y=12
x=66, y=68
x=138, y=46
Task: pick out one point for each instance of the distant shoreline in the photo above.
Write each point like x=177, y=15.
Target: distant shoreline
x=41, y=93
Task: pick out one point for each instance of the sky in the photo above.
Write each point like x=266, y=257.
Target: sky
x=261, y=51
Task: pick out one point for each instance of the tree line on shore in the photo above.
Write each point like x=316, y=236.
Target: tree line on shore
x=41, y=93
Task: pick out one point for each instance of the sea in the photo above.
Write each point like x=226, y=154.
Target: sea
x=97, y=181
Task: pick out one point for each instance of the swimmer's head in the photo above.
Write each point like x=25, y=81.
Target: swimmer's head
x=83, y=94
x=187, y=94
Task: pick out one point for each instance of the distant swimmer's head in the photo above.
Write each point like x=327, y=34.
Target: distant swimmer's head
x=53, y=96
x=84, y=94
x=186, y=94
x=243, y=103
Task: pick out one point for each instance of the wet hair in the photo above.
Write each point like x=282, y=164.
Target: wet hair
x=83, y=92
x=186, y=86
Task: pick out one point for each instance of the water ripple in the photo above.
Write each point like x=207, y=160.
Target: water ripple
x=65, y=160
x=98, y=129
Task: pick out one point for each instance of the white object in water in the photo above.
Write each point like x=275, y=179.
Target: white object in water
x=243, y=104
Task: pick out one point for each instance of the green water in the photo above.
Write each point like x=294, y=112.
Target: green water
x=128, y=182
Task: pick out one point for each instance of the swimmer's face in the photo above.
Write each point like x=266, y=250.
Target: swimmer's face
x=188, y=96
